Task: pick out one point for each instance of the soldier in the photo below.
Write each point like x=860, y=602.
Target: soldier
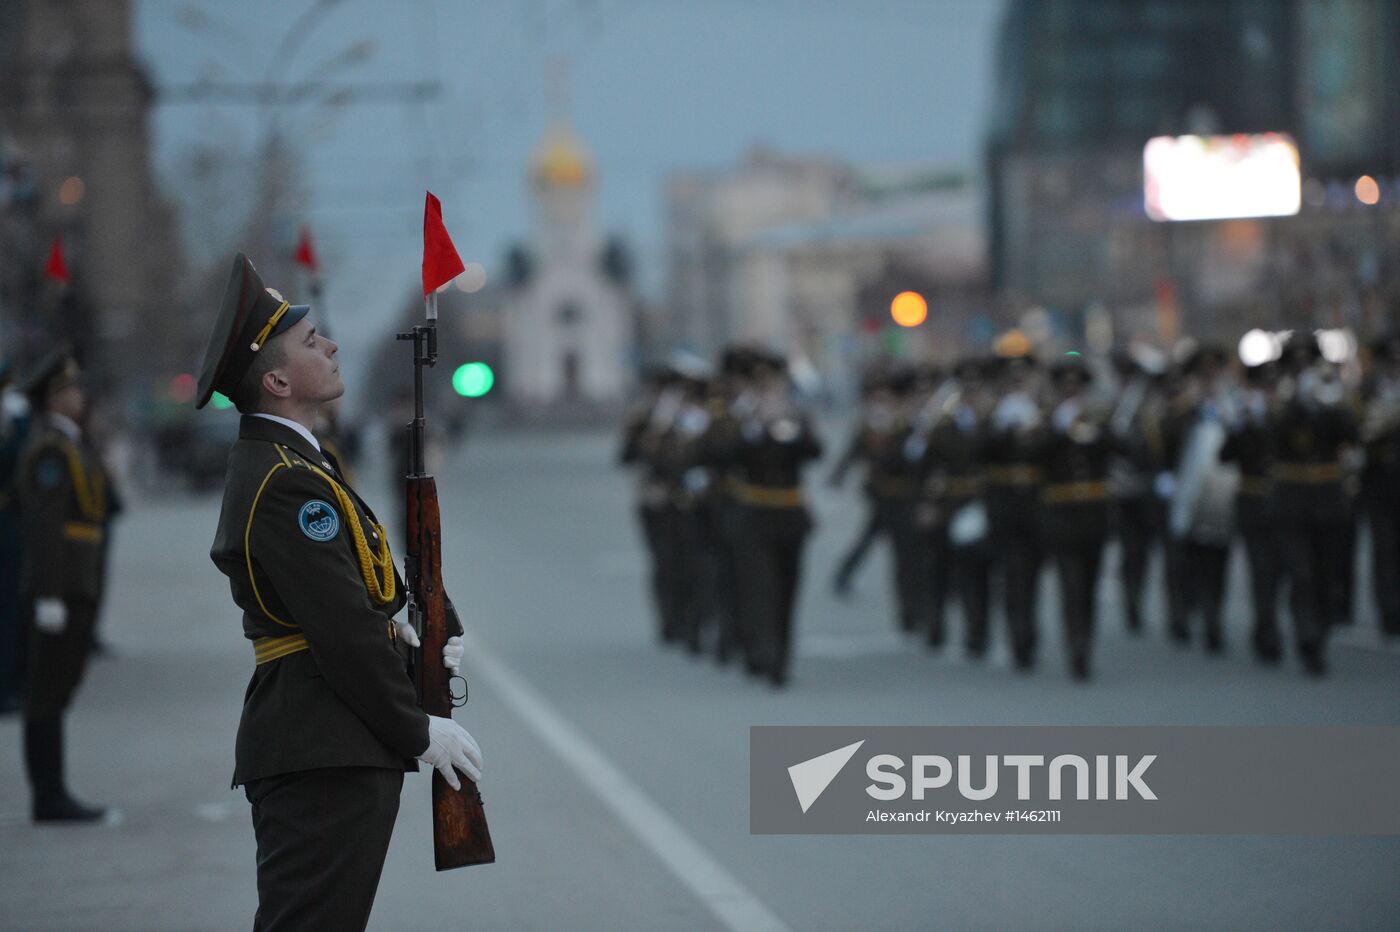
x=329, y=723
x=1250, y=445
x=877, y=425
x=731, y=398
x=1135, y=514
x=1074, y=460
x=954, y=483
x=14, y=434
x=643, y=446
x=1013, y=494
x=63, y=497
x=1313, y=430
x=1170, y=425
x=775, y=440
x=1201, y=519
x=1380, y=432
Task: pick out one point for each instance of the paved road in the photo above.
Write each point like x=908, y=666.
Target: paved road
x=616, y=773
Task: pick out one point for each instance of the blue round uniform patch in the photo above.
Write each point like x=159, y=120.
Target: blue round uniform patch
x=318, y=520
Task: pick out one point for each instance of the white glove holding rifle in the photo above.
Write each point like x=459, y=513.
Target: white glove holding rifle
x=452, y=651
x=451, y=748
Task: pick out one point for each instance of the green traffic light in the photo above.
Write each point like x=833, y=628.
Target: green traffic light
x=473, y=379
x=220, y=403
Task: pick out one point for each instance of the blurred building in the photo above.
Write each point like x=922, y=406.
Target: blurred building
x=1082, y=85
x=711, y=216
x=74, y=123
x=806, y=256
x=569, y=326
x=557, y=322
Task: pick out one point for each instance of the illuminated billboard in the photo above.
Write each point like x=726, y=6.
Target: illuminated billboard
x=1221, y=177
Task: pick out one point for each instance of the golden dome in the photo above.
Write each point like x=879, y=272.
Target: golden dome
x=561, y=160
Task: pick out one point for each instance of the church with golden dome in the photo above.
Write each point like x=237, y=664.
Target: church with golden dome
x=569, y=322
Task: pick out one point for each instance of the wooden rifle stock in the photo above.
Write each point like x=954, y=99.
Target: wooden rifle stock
x=460, y=835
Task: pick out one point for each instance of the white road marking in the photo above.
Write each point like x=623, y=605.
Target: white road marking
x=720, y=891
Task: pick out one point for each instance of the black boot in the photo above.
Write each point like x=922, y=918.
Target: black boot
x=43, y=759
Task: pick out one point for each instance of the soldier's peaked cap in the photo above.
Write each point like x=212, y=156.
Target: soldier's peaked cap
x=250, y=315
x=57, y=369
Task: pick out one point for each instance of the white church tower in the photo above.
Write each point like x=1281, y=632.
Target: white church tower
x=568, y=329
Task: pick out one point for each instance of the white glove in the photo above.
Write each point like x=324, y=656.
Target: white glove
x=452, y=651
x=50, y=615
x=450, y=748
x=406, y=633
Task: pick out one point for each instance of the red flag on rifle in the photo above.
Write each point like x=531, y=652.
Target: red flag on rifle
x=56, y=268
x=305, y=255
x=441, y=263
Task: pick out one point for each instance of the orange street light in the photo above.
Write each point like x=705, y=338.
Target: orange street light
x=909, y=309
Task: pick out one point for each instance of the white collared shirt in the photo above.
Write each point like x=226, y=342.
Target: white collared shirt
x=285, y=422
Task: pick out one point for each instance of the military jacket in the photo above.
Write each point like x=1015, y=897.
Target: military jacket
x=308, y=565
x=63, y=492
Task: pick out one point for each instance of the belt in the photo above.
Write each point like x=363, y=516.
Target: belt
x=893, y=486
x=1013, y=475
x=1061, y=493
x=1307, y=473
x=1255, y=486
x=964, y=486
x=83, y=532
x=266, y=650
x=764, y=496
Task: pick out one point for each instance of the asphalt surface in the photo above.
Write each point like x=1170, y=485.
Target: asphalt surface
x=616, y=776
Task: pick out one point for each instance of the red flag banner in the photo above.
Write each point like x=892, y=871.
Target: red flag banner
x=441, y=263
x=306, y=255
x=56, y=268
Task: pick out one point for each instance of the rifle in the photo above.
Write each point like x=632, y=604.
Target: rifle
x=460, y=835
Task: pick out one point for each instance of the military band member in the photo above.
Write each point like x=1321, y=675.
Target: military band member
x=1074, y=460
x=1251, y=446
x=63, y=495
x=775, y=441
x=1312, y=432
x=1013, y=496
x=878, y=425
x=1380, y=432
x=329, y=721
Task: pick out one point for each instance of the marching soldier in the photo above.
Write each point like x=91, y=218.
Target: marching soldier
x=955, y=484
x=1202, y=507
x=1074, y=459
x=877, y=430
x=62, y=488
x=775, y=440
x=1135, y=509
x=730, y=402
x=1312, y=431
x=643, y=445
x=1251, y=446
x=329, y=723
x=1013, y=495
x=1380, y=432
x=894, y=477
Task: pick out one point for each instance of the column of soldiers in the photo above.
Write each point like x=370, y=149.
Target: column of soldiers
x=721, y=505
x=985, y=474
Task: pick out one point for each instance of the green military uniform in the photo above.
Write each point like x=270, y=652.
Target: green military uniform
x=62, y=489
x=330, y=721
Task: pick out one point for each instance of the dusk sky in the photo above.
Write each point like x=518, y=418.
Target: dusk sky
x=652, y=86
